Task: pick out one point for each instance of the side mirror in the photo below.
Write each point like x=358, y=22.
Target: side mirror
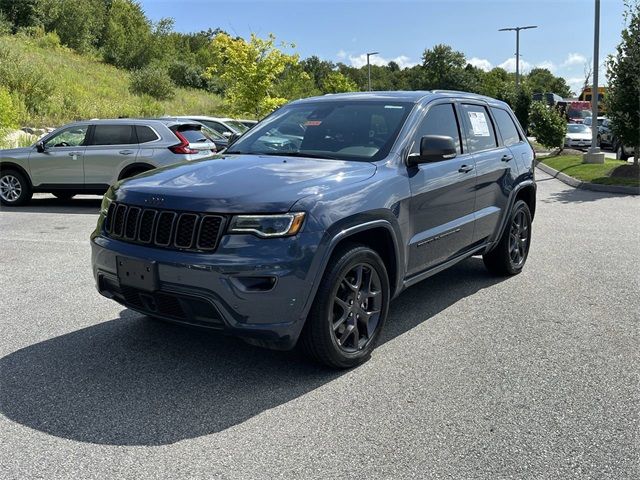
x=40, y=147
x=433, y=148
x=232, y=138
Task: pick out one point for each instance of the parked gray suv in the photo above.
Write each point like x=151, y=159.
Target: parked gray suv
x=312, y=221
x=87, y=157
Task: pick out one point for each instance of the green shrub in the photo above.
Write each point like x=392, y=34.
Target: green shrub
x=28, y=80
x=152, y=80
x=50, y=40
x=8, y=113
x=547, y=125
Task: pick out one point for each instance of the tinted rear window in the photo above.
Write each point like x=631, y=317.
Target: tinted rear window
x=145, y=134
x=194, y=134
x=113, y=135
x=507, y=128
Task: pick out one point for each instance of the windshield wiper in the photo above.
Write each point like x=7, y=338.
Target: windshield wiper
x=298, y=154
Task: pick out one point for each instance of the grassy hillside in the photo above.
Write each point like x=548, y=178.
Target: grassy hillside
x=53, y=85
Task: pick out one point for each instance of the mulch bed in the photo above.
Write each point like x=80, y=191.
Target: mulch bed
x=626, y=171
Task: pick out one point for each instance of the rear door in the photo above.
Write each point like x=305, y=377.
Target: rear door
x=61, y=163
x=110, y=148
x=495, y=165
x=442, y=195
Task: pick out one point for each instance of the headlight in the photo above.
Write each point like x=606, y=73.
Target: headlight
x=106, y=201
x=268, y=226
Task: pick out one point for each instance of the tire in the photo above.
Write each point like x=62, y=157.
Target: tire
x=620, y=155
x=334, y=333
x=507, y=259
x=64, y=195
x=15, y=189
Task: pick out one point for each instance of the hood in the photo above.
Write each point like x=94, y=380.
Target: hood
x=240, y=183
x=15, y=152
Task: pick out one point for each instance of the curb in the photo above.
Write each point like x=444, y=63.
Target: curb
x=595, y=187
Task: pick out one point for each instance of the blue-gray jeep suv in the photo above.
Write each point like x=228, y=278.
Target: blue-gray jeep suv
x=310, y=223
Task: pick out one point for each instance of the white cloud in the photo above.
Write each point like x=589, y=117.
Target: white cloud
x=341, y=55
x=481, y=63
x=361, y=60
x=574, y=59
x=575, y=83
x=510, y=65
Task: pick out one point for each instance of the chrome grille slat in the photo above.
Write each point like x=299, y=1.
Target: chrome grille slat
x=164, y=228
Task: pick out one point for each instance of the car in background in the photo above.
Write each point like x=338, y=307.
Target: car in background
x=248, y=123
x=220, y=140
x=589, y=120
x=578, y=135
x=89, y=156
x=223, y=126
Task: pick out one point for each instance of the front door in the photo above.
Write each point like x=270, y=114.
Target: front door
x=61, y=162
x=442, y=196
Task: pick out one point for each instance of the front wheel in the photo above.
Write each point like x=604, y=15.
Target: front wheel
x=620, y=155
x=14, y=188
x=510, y=255
x=349, y=310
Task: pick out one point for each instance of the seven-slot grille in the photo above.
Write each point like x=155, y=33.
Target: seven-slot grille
x=163, y=228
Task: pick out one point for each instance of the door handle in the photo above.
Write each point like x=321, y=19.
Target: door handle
x=125, y=152
x=506, y=158
x=74, y=155
x=465, y=168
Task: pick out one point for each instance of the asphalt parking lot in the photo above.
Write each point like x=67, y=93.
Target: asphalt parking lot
x=535, y=376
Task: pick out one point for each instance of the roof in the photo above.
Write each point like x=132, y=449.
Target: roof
x=170, y=121
x=401, y=96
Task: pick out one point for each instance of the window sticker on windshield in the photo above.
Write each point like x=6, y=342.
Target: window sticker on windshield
x=479, y=124
x=313, y=123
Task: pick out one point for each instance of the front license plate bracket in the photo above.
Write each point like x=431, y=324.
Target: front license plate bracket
x=137, y=273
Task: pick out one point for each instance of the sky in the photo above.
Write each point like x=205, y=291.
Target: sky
x=343, y=31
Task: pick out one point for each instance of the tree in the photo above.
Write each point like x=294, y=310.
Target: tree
x=127, y=36
x=318, y=69
x=442, y=67
x=79, y=23
x=541, y=80
x=623, y=73
x=336, y=82
x=249, y=71
x=547, y=125
x=295, y=83
x=521, y=106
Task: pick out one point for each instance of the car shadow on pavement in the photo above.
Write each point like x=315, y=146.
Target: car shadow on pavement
x=577, y=195
x=135, y=381
x=54, y=205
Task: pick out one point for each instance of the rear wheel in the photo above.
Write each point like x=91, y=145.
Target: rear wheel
x=349, y=310
x=510, y=255
x=14, y=188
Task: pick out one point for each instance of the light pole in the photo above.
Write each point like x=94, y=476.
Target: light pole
x=594, y=155
x=517, y=30
x=369, y=66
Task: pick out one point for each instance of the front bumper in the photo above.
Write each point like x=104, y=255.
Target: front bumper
x=255, y=288
x=577, y=143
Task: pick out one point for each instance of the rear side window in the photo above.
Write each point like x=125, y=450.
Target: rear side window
x=113, y=135
x=478, y=128
x=215, y=126
x=145, y=134
x=440, y=120
x=507, y=128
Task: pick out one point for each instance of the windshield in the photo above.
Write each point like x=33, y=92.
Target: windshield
x=237, y=126
x=341, y=130
x=577, y=128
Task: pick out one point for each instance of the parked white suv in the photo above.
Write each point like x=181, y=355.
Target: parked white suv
x=87, y=157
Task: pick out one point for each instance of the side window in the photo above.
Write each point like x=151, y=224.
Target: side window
x=145, y=134
x=478, y=128
x=440, y=120
x=216, y=127
x=69, y=137
x=113, y=135
x=507, y=128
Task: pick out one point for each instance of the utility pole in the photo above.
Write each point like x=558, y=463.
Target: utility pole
x=517, y=30
x=369, y=66
x=594, y=155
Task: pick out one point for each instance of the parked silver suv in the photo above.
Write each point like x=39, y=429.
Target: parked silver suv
x=87, y=157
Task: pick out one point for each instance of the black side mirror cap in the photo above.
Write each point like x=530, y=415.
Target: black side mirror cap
x=40, y=147
x=232, y=138
x=433, y=148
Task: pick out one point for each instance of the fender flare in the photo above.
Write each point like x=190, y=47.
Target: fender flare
x=512, y=201
x=4, y=165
